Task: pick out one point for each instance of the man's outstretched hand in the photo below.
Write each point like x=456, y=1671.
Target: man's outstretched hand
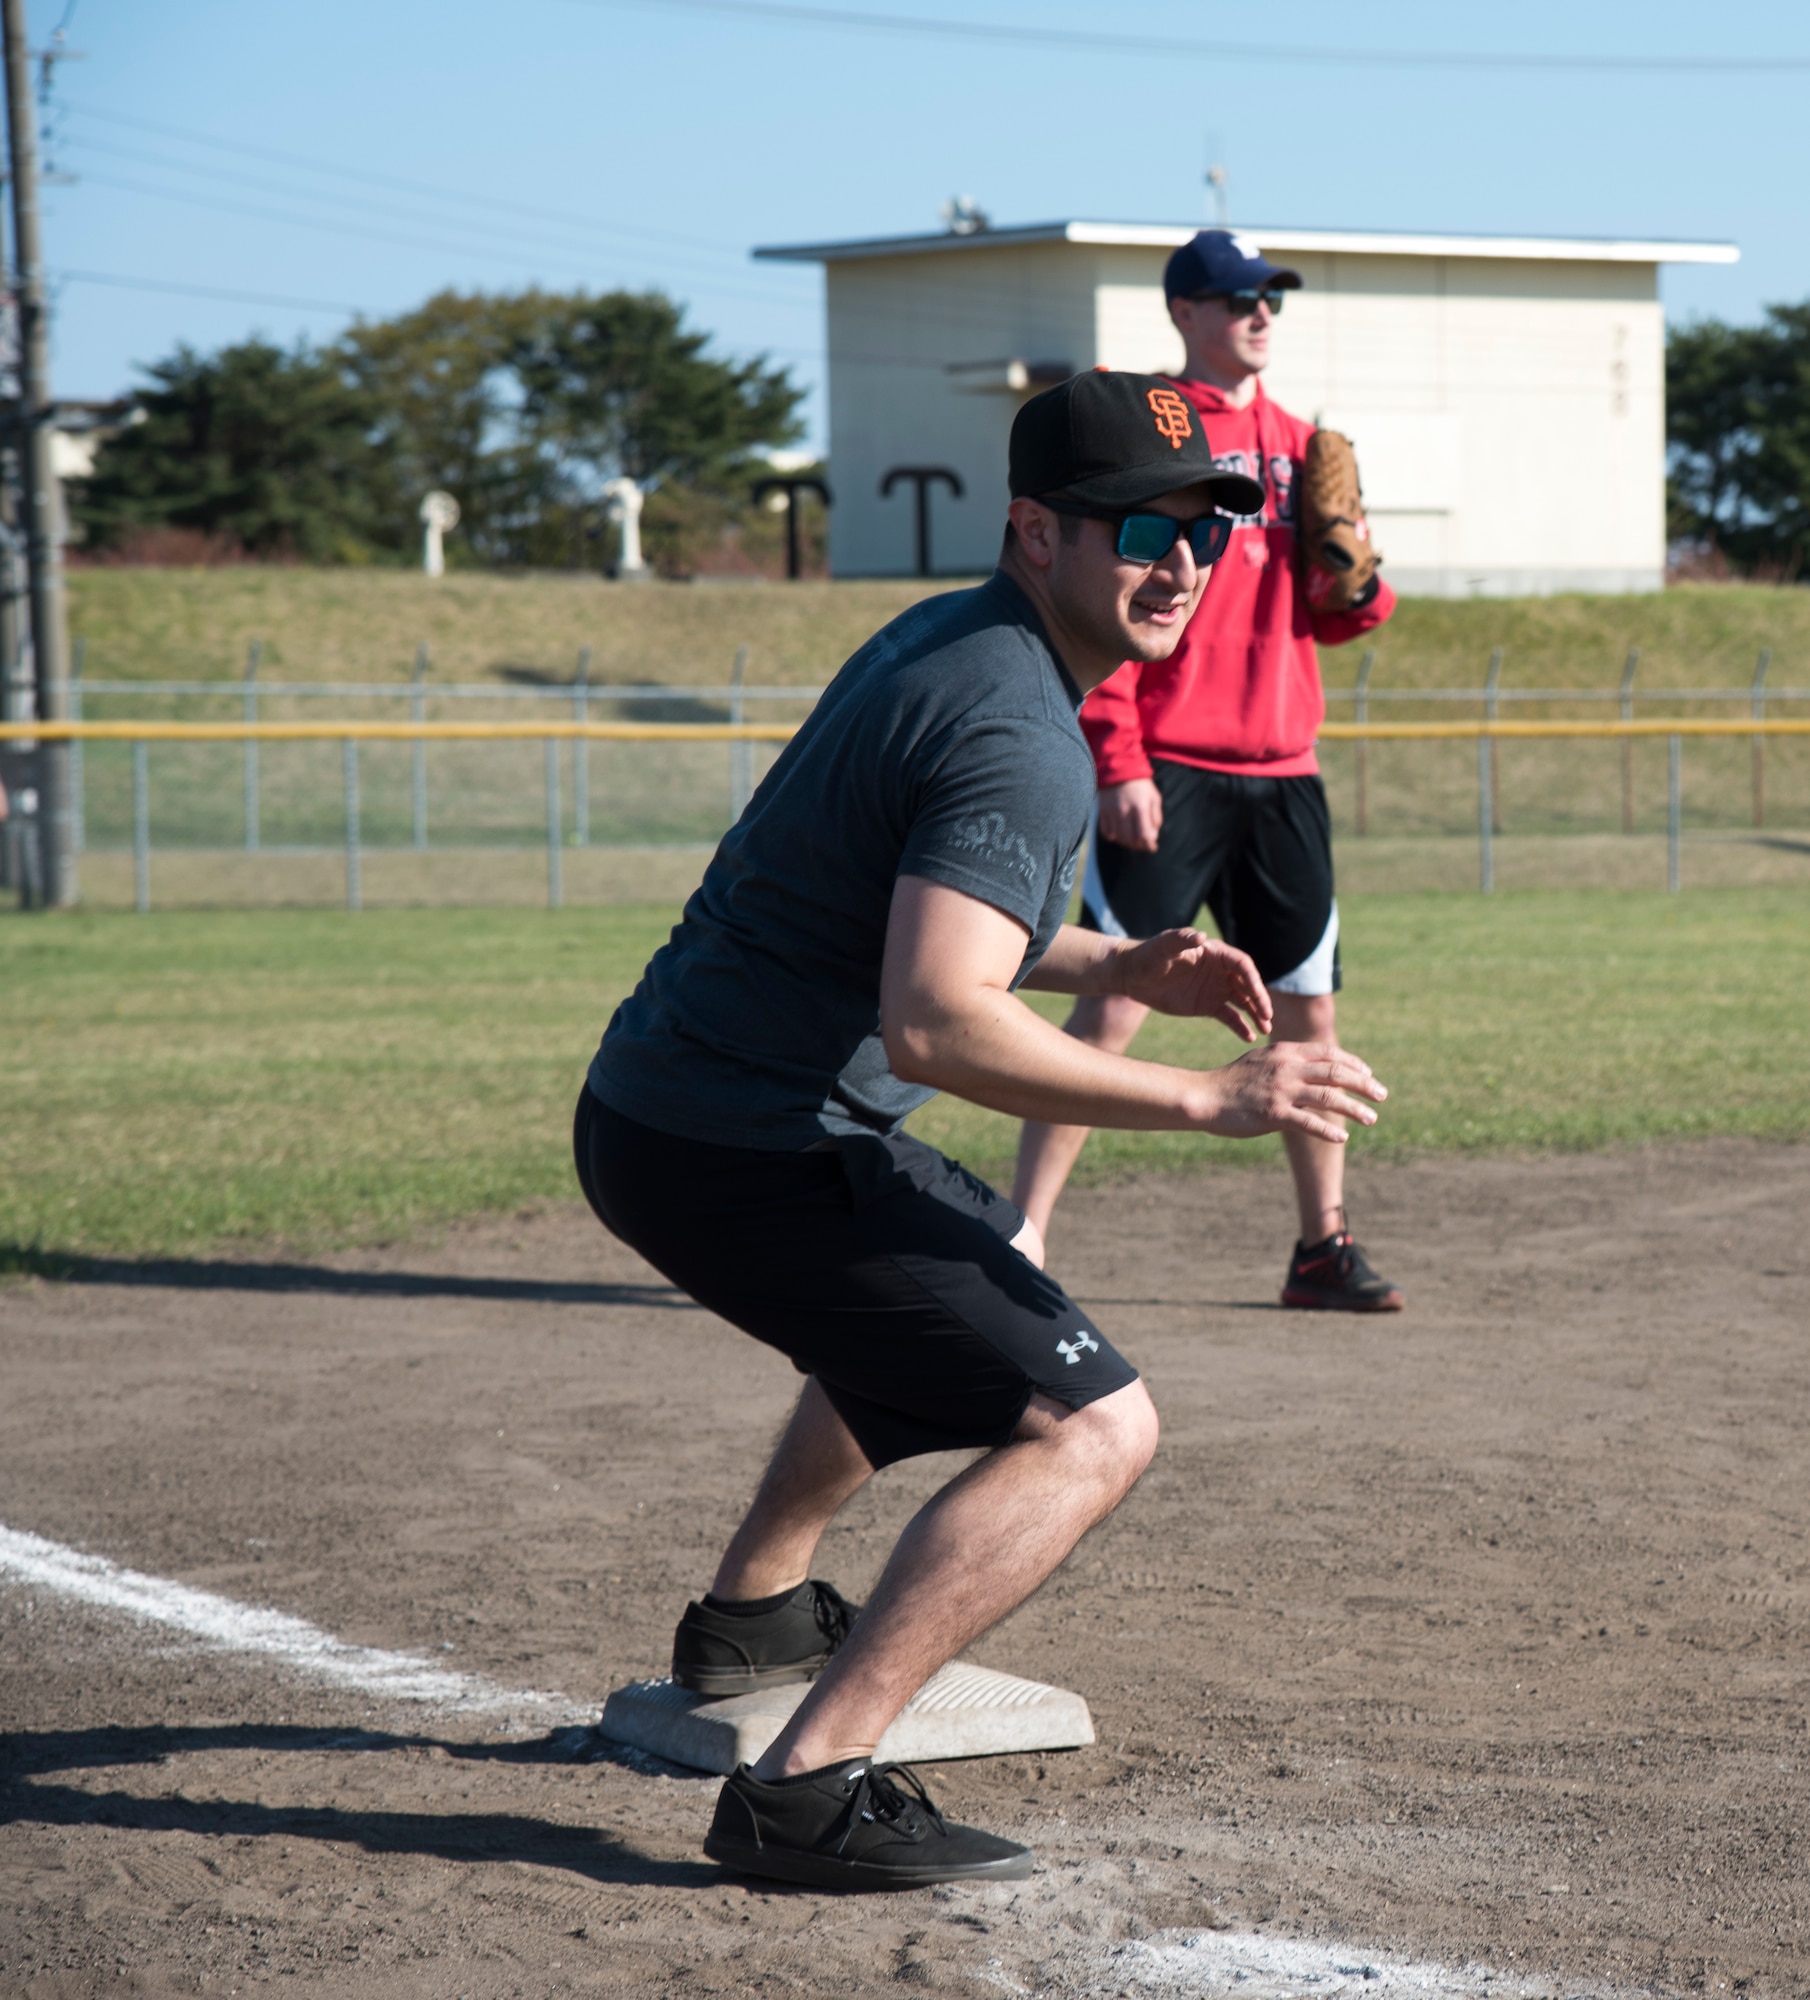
x=1187, y=972
x=1291, y=1087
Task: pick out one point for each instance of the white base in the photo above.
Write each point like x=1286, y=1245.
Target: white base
x=962, y=1711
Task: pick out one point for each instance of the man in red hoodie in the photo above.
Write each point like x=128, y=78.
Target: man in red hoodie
x=1209, y=787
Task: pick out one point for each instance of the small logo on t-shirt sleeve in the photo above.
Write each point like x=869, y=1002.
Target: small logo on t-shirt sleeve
x=988, y=835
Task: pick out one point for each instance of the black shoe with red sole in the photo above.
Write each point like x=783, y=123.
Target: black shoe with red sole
x=1335, y=1276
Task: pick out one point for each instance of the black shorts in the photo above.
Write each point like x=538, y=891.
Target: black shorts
x=876, y=1265
x=1256, y=851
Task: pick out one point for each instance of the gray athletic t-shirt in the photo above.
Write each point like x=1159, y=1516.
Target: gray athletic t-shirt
x=947, y=747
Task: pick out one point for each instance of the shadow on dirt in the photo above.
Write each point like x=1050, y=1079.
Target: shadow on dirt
x=29, y=1752
x=220, y=1274
x=1201, y=1304
x=448, y=1836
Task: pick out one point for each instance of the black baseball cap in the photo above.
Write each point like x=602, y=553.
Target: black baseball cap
x=1118, y=440
x=1224, y=260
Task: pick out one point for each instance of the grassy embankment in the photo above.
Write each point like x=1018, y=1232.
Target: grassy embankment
x=365, y=625
x=179, y=1084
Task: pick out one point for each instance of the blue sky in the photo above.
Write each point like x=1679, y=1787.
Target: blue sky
x=644, y=143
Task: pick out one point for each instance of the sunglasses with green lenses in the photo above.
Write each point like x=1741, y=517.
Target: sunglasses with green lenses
x=1148, y=538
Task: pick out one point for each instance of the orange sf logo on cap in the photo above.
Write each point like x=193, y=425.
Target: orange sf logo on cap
x=1172, y=419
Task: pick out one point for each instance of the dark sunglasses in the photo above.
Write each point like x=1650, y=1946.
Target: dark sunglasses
x=1147, y=538
x=1241, y=305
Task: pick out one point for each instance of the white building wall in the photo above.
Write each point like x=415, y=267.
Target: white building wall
x=896, y=327
x=1509, y=415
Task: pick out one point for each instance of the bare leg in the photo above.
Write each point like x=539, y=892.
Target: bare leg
x=980, y=1547
x=1317, y=1164
x=1047, y=1153
x=815, y=1468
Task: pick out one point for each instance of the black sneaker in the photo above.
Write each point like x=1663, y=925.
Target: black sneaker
x=852, y=1826
x=1334, y=1276
x=719, y=1650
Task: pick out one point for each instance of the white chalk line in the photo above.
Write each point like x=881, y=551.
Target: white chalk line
x=1217, y=1965
x=1213, y=1963
x=271, y=1636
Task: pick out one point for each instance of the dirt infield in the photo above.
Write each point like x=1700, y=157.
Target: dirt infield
x=1477, y=1636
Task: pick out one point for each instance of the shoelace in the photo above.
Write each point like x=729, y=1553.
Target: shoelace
x=834, y=1613
x=892, y=1793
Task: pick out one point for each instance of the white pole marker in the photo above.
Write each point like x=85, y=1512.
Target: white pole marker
x=439, y=516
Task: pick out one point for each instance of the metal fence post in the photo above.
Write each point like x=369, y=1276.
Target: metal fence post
x=581, y=752
x=555, y=883
x=1674, y=811
x=354, y=860
x=1486, y=814
x=1491, y=682
x=1630, y=666
x=1363, y=748
x=78, y=807
x=253, y=654
x=418, y=712
x=1759, y=742
x=141, y=827
x=741, y=755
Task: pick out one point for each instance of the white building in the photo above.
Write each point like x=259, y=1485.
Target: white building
x=1506, y=395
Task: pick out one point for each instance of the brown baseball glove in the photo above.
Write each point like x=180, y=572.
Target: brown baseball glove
x=1338, y=559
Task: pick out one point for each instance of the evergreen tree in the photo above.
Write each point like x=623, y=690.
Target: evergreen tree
x=1738, y=428
x=271, y=451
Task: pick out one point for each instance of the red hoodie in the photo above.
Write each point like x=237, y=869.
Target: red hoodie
x=1242, y=691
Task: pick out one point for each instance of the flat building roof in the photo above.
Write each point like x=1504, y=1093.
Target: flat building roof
x=1347, y=242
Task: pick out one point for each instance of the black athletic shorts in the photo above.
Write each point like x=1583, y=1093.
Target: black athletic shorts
x=876, y=1265
x=1256, y=851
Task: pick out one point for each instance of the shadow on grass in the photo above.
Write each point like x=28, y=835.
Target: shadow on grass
x=199, y=1274
x=458, y=1836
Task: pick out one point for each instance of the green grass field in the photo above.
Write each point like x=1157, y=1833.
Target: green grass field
x=187, y=1081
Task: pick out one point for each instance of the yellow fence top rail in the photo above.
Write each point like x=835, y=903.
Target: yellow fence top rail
x=782, y=732
x=400, y=732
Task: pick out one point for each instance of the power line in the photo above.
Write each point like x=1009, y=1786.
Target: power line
x=123, y=283
x=364, y=177
x=330, y=223
x=702, y=287
x=692, y=272
x=1145, y=47
x=364, y=205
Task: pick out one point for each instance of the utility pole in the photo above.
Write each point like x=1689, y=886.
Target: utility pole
x=43, y=529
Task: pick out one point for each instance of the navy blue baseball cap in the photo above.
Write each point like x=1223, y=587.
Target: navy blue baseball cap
x=1224, y=260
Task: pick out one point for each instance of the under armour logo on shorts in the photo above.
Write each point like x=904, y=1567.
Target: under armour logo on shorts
x=1083, y=1343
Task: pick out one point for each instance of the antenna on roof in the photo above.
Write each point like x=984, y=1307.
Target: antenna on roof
x=1218, y=179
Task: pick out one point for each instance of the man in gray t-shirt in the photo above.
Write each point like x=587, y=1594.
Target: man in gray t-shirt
x=854, y=947
x=759, y=1023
